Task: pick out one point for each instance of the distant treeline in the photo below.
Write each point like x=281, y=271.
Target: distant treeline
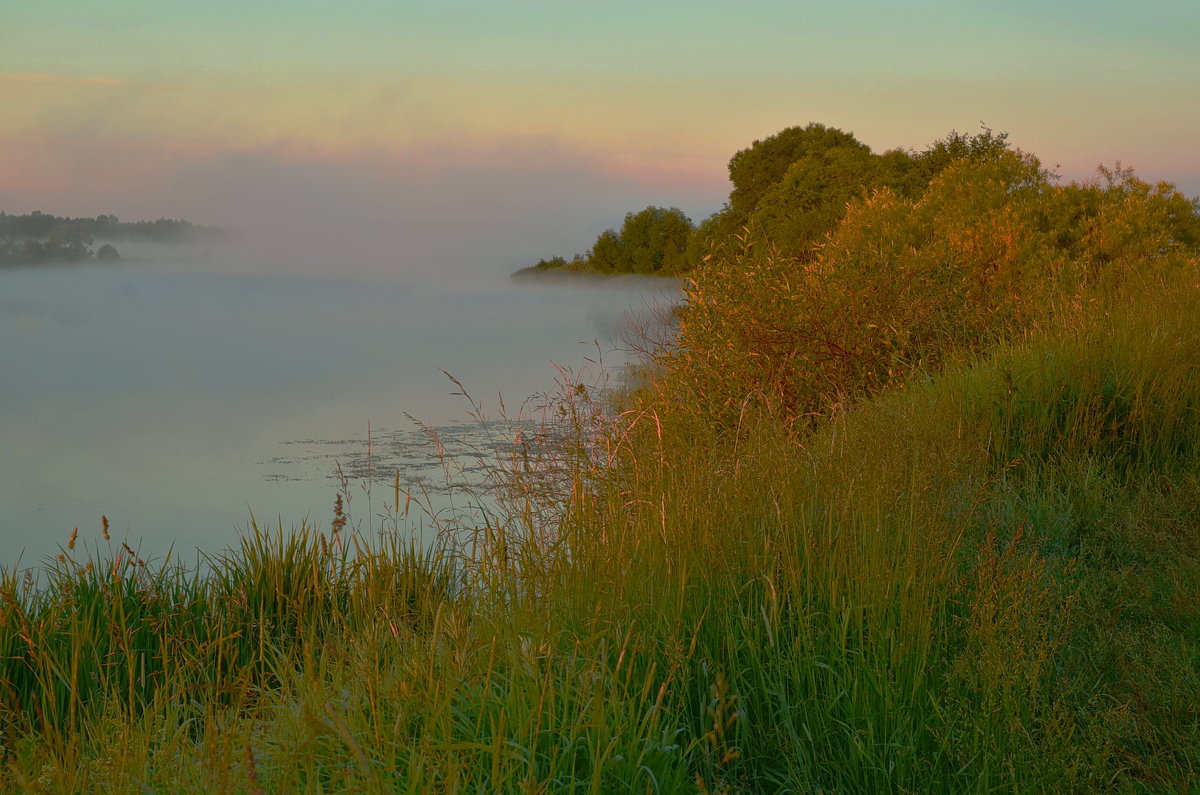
x=39, y=237
x=790, y=189
x=38, y=226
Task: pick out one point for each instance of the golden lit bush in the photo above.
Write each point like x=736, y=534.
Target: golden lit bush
x=993, y=249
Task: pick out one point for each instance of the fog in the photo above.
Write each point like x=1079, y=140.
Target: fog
x=185, y=387
x=431, y=215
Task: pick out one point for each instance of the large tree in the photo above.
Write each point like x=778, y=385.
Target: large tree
x=780, y=185
x=811, y=196
x=791, y=189
x=608, y=254
x=655, y=240
x=756, y=169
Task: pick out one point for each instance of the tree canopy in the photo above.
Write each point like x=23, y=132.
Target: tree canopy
x=790, y=190
x=38, y=225
x=40, y=237
x=653, y=241
x=757, y=169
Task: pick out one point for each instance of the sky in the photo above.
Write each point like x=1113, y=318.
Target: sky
x=476, y=134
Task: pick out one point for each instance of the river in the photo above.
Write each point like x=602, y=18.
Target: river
x=179, y=401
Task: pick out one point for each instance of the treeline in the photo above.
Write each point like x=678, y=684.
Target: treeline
x=38, y=226
x=651, y=242
x=40, y=238
x=791, y=188
x=65, y=243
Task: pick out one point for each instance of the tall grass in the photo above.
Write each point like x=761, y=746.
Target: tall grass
x=979, y=571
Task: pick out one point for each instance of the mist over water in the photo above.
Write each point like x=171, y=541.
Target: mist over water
x=436, y=214
x=177, y=397
x=186, y=386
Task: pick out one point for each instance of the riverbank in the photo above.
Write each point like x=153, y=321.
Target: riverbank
x=916, y=511
x=938, y=569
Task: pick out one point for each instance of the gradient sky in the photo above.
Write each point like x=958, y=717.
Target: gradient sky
x=558, y=110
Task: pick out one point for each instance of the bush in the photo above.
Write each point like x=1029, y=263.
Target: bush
x=992, y=250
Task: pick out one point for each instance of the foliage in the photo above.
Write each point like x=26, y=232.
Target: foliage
x=608, y=253
x=993, y=249
x=40, y=238
x=650, y=242
x=812, y=195
x=552, y=265
x=792, y=189
x=653, y=241
x=789, y=191
x=757, y=169
x=38, y=225
x=65, y=243
x=960, y=146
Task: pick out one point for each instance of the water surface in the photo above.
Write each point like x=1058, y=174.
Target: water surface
x=175, y=401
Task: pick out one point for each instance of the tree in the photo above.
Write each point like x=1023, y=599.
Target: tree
x=608, y=253
x=68, y=242
x=811, y=197
x=655, y=240
x=957, y=146
x=789, y=191
x=755, y=170
x=712, y=231
x=32, y=251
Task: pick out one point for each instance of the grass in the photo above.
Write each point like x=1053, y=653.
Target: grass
x=976, y=574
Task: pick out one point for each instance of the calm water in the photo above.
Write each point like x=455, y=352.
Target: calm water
x=176, y=401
